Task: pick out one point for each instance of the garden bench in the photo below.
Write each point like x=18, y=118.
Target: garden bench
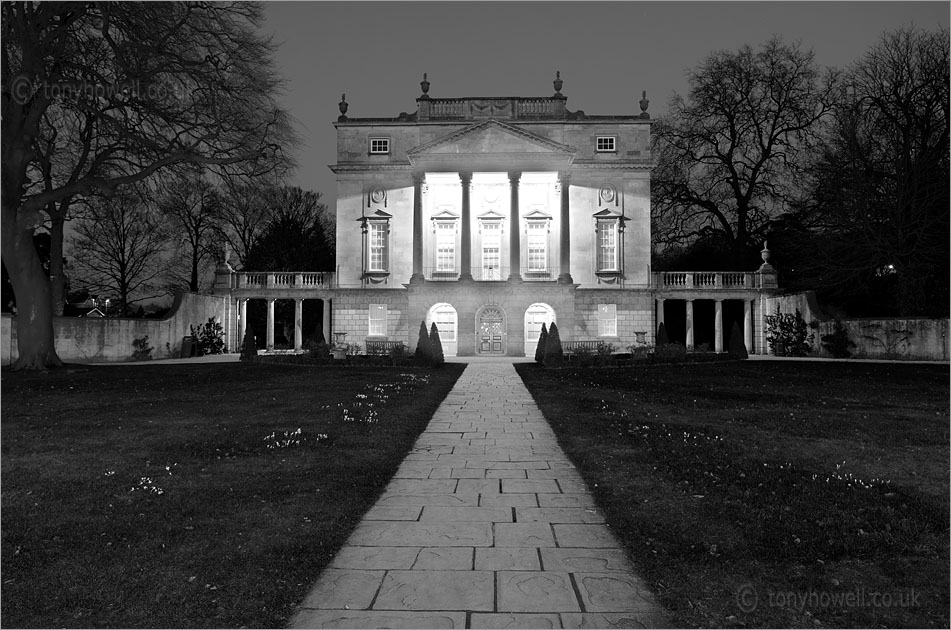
x=570, y=347
x=376, y=348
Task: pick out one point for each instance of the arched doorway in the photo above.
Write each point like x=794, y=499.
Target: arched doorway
x=447, y=322
x=491, y=330
x=536, y=315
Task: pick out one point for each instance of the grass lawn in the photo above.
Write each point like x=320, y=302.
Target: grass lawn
x=192, y=495
x=752, y=494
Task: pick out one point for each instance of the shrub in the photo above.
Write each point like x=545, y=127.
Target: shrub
x=554, y=355
x=737, y=348
x=540, y=348
x=424, y=347
x=438, y=357
x=670, y=352
x=838, y=342
x=318, y=349
x=249, y=349
x=662, y=338
x=398, y=353
x=209, y=338
x=606, y=354
x=143, y=351
x=788, y=335
x=582, y=356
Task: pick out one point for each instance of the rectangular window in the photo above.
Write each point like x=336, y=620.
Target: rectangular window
x=491, y=251
x=607, y=245
x=379, y=145
x=446, y=246
x=607, y=320
x=606, y=144
x=537, y=242
x=378, y=320
x=379, y=246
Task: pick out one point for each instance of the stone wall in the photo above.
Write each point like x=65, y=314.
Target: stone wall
x=635, y=314
x=874, y=338
x=351, y=314
x=110, y=339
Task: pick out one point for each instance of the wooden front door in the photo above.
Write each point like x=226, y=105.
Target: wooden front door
x=491, y=331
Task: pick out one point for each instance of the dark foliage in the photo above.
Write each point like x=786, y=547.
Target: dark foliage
x=554, y=354
x=438, y=356
x=737, y=348
x=424, y=347
x=838, y=342
x=542, y=342
x=249, y=349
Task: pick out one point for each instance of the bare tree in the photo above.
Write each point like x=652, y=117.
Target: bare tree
x=243, y=215
x=730, y=154
x=122, y=91
x=120, y=248
x=191, y=203
x=880, y=191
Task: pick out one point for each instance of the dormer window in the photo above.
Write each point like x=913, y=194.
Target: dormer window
x=606, y=144
x=379, y=146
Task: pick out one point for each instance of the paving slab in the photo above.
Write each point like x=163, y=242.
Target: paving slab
x=437, y=590
x=377, y=619
x=515, y=620
x=486, y=524
x=536, y=591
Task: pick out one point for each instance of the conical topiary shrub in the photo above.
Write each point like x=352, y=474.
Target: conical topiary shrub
x=662, y=339
x=249, y=349
x=554, y=356
x=424, y=348
x=737, y=348
x=438, y=357
x=540, y=348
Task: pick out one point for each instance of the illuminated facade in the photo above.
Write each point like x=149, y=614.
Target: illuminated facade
x=491, y=216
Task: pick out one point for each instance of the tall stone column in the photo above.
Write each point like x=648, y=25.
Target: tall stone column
x=565, y=276
x=718, y=326
x=748, y=325
x=270, y=324
x=515, y=254
x=243, y=321
x=298, y=324
x=465, y=254
x=417, y=228
x=689, y=324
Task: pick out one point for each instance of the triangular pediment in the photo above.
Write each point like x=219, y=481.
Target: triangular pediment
x=491, y=136
x=491, y=215
x=537, y=215
x=445, y=215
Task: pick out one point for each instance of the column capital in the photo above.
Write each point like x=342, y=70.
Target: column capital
x=418, y=178
x=515, y=176
x=564, y=177
x=465, y=177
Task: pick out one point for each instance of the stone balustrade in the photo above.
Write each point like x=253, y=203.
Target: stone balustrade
x=712, y=280
x=283, y=280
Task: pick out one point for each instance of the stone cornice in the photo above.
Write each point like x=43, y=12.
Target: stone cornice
x=358, y=167
x=614, y=166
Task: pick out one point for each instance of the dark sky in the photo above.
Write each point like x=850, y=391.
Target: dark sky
x=607, y=52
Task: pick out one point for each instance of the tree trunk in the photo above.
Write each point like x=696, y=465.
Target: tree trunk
x=34, y=320
x=57, y=273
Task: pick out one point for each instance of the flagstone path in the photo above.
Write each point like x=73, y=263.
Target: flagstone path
x=485, y=525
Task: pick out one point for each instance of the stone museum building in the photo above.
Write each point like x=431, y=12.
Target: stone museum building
x=491, y=216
